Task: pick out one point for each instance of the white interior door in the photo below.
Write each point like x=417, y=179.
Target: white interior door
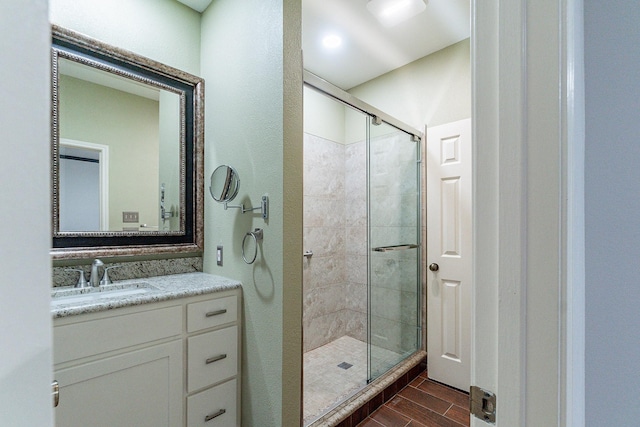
x=449, y=243
x=84, y=186
x=79, y=192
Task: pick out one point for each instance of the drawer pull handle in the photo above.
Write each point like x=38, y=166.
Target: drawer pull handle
x=216, y=313
x=216, y=358
x=212, y=416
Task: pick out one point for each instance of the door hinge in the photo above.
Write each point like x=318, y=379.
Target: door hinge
x=483, y=404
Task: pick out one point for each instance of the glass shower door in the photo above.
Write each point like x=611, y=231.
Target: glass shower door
x=394, y=247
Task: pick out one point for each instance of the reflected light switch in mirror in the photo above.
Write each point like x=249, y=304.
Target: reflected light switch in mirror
x=130, y=217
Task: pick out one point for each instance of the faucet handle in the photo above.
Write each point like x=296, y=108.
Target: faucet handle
x=82, y=282
x=105, y=276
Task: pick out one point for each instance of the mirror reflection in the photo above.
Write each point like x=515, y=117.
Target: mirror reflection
x=225, y=184
x=127, y=138
x=119, y=153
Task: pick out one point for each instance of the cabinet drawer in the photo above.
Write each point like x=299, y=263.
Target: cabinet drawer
x=91, y=337
x=215, y=407
x=214, y=312
x=212, y=357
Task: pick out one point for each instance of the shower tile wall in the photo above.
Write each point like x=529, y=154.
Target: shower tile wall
x=335, y=230
x=356, y=245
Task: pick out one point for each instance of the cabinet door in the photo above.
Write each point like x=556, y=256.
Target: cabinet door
x=139, y=388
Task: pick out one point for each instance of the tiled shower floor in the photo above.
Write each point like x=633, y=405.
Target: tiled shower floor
x=325, y=383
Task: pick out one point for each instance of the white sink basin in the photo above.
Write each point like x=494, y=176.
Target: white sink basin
x=81, y=295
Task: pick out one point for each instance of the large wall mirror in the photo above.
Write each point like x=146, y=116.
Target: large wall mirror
x=127, y=152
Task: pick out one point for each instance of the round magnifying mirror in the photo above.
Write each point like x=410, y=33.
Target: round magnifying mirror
x=225, y=184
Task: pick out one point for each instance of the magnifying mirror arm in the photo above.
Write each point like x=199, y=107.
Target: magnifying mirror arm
x=264, y=207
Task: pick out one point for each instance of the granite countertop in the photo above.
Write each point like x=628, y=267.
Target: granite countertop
x=70, y=301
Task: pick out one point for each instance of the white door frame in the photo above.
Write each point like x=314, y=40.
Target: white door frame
x=103, y=165
x=25, y=353
x=528, y=133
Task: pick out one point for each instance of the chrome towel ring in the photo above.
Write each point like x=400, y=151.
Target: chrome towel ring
x=256, y=235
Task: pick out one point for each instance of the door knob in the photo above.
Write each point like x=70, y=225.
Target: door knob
x=434, y=267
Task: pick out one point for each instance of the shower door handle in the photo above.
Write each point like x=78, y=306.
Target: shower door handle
x=394, y=248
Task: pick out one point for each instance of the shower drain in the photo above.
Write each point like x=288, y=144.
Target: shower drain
x=345, y=365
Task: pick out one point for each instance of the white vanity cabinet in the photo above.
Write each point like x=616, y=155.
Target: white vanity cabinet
x=171, y=363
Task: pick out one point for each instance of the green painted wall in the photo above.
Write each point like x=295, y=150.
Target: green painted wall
x=254, y=123
x=164, y=30
x=431, y=91
x=323, y=116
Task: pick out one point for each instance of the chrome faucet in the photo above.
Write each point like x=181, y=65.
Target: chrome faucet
x=94, y=279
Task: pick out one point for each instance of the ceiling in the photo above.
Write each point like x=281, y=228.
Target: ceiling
x=198, y=5
x=368, y=49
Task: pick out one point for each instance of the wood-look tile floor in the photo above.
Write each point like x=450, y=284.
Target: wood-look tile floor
x=422, y=403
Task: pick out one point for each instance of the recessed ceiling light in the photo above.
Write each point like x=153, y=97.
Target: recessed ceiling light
x=393, y=12
x=332, y=41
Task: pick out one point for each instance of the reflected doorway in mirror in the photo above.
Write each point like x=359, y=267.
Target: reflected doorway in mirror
x=84, y=186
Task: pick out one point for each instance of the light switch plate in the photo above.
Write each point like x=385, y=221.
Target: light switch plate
x=219, y=255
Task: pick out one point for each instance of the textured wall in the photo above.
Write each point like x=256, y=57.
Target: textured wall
x=324, y=287
x=254, y=123
x=335, y=218
x=166, y=31
x=335, y=230
x=431, y=91
x=356, y=247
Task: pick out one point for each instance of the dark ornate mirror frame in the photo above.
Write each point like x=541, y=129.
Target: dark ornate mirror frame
x=190, y=88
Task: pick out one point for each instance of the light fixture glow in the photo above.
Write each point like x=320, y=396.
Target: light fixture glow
x=395, y=8
x=332, y=41
x=393, y=12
